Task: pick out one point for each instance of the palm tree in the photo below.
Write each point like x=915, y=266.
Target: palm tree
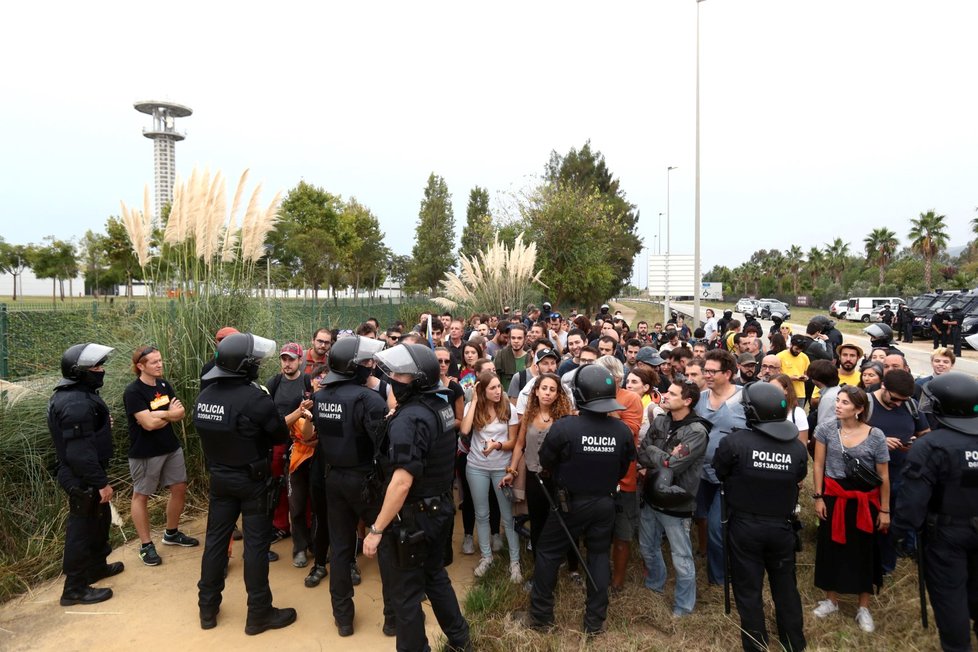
x=928, y=237
x=816, y=261
x=881, y=244
x=836, y=255
x=796, y=258
x=778, y=266
x=743, y=273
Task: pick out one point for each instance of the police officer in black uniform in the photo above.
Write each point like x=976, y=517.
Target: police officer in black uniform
x=586, y=455
x=238, y=423
x=881, y=337
x=348, y=418
x=940, y=490
x=82, y=432
x=760, y=469
x=415, y=522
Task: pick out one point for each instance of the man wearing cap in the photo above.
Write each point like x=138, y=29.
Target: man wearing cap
x=747, y=368
x=322, y=339
x=650, y=358
x=794, y=363
x=849, y=356
x=155, y=454
x=291, y=390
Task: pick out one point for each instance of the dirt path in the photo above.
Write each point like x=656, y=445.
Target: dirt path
x=155, y=608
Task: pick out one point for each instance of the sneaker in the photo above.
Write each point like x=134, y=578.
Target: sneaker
x=316, y=575
x=272, y=556
x=278, y=535
x=178, y=538
x=528, y=586
x=468, y=545
x=149, y=555
x=496, y=542
x=825, y=608
x=355, y=577
x=865, y=620
x=515, y=574
x=575, y=577
x=299, y=559
x=483, y=566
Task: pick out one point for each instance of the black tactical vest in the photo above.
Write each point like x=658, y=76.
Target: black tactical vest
x=766, y=478
x=74, y=413
x=957, y=491
x=439, y=464
x=228, y=436
x=346, y=433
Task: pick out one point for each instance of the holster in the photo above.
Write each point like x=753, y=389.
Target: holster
x=83, y=501
x=409, y=546
x=563, y=499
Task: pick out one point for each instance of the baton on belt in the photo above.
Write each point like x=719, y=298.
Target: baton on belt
x=560, y=519
x=920, y=578
x=724, y=520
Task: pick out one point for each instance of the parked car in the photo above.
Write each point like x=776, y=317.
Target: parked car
x=745, y=306
x=862, y=308
x=838, y=308
x=925, y=306
x=769, y=307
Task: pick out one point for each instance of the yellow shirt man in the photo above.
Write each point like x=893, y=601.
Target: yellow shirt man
x=796, y=367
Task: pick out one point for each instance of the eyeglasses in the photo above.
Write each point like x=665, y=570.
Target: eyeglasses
x=444, y=361
x=586, y=362
x=896, y=400
x=323, y=342
x=770, y=367
x=711, y=372
x=394, y=338
x=346, y=331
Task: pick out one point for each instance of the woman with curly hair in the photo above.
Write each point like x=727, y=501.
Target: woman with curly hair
x=548, y=402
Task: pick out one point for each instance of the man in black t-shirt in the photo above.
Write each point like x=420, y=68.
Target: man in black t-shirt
x=155, y=455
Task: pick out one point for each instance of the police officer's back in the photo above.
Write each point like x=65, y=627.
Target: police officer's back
x=940, y=494
x=414, y=525
x=586, y=455
x=348, y=417
x=238, y=424
x=760, y=469
x=81, y=429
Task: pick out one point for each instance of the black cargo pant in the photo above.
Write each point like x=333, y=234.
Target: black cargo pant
x=590, y=517
x=232, y=493
x=346, y=508
x=758, y=545
x=428, y=578
x=86, y=547
x=951, y=573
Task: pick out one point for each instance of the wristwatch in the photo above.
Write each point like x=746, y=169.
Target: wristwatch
x=373, y=530
x=816, y=496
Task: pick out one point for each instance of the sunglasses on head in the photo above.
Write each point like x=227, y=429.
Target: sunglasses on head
x=145, y=352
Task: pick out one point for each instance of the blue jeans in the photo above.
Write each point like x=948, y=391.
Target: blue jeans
x=480, y=481
x=708, y=504
x=652, y=525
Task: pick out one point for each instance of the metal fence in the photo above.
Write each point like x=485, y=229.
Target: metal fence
x=33, y=334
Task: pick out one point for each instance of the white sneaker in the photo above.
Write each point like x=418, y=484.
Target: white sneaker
x=483, y=566
x=515, y=574
x=496, y=543
x=468, y=545
x=825, y=608
x=865, y=620
x=299, y=559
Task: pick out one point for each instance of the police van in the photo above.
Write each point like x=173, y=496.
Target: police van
x=866, y=309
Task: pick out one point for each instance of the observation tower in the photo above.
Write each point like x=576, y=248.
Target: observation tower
x=164, y=136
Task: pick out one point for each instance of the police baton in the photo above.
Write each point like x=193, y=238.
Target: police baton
x=724, y=519
x=556, y=512
x=920, y=578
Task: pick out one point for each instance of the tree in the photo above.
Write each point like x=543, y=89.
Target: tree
x=56, y=261
x=434, y=241
x=796, y=259
x=14, y=259
x=398, y=266
x=587, y=171
x=881, y=244
x=815, y=264
x=118, y=248
x=367, y=259
x=95, y=261
x=928, y=237
x=836, y=256
x=477, y=232
x=568, y=226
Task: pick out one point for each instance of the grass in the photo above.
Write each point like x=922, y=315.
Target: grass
x=640, y=620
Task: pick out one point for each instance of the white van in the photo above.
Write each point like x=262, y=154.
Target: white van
x=864, y=308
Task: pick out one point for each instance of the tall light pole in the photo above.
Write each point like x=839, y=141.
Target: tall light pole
x=665, y=304
x=659, y=250
x=697, y=279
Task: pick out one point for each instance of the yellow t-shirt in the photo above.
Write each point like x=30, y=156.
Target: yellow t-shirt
x=795, y=365
x=850, y=379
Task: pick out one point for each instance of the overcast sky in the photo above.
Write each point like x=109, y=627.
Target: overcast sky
x=818, y=119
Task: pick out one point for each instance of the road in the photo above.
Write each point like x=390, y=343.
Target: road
x=917, y=354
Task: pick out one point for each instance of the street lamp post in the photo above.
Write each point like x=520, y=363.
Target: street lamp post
x=665, y=304
x=697, y=279
x=659, y=250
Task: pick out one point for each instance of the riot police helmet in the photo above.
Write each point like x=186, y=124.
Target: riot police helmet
x=594, y=389
x=824, y=323
x=880, y=335
x=547, y=307
x=416, y=360
x=954, y=401
x=766, y=410
x=239, y=355
x=347, y=355
x=77, y=360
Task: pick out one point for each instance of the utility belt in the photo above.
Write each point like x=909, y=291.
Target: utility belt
x=430, y=504
x=565, y=497
x=945, y=520
x=408, y=539
x=753, y=516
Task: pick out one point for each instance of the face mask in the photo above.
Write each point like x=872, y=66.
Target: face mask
x=402, y=391
x=93, y=379
x=362, y=374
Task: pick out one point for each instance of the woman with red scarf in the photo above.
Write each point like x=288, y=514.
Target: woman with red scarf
x=846, y=557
